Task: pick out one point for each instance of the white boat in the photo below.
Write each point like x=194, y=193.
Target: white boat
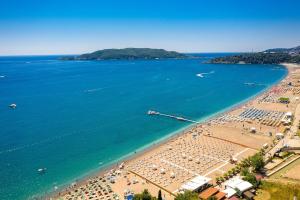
x=181, y=118
x=13, y=105
x=151, y=112
x=42, y=170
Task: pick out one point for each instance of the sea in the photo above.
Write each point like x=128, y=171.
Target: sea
x=74, y=118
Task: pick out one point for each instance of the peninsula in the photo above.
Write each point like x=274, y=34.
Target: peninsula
x=127, y=54
x=270, y=56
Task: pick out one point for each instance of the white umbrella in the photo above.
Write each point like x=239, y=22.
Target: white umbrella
x=172, y=175
x=154, y=167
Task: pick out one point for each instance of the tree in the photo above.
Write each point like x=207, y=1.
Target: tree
x=159, y=197
x=187, y=195
x=245, y=171
x=257, y=162
x=145, y=195
x=251, y=179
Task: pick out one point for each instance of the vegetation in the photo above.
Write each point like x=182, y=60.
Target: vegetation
x=127, y=54
x=298, y=133
x=159, y=197
x=258, y=58
x=250, y=177
x=145, y=195
x=278, y=191
x=257, y=162
x=294, y=50
x=187, y=195
x=285, y=154
x=284, y=100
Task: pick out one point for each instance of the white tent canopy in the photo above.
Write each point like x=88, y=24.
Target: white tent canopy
x=229, y=192
x=238, y=184
x=195, y=183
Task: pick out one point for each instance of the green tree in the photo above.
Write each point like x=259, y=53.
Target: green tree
x=159, y=197
x=145, y=195
x=187, y=195
x=251, y=179
x=257, y=162
x=245, y=171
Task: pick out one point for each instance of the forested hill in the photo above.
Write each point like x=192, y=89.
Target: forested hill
x=127, y=54
x=294, y=50
x=270, y=56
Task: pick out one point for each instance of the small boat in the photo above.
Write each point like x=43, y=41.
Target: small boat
x=181, y=118
x=13, y=106
x=42, y=170
x=151, y=112
x=250, y=84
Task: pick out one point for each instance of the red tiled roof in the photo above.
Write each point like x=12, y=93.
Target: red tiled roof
x=220, y=195
x=208, y=193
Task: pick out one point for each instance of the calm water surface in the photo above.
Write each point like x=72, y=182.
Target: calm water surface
x=74, y=117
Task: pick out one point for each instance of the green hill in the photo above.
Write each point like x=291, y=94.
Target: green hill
x=294, y=50
x=127, y=54
x=270, y=56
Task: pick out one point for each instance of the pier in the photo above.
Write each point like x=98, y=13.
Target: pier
x=151, y=112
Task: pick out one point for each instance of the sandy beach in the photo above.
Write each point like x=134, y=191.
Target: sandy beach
x=203, y=150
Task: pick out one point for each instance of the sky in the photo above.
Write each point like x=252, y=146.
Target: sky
x=40, y=27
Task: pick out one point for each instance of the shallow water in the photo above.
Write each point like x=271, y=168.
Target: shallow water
x=75, y=117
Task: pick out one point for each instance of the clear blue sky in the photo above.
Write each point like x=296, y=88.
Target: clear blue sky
x=77, y=26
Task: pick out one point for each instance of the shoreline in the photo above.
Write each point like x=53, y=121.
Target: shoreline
x=164, y=140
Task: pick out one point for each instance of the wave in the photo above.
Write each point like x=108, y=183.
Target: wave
x=2, y=76
x=201, y=75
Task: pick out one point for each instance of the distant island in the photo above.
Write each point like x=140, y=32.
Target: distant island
x=127, y=54
x=269, y=56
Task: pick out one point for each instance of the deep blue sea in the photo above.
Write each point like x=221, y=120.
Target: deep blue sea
x=74, y=117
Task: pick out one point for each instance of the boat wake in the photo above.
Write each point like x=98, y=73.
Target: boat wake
x=255, y=84
x=93, y=90
x=201, y=75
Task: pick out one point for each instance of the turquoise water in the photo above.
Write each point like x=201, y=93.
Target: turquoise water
x=74, y=117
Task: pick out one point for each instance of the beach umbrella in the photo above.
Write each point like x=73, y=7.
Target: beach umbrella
x=172, y=175
x=253, y=129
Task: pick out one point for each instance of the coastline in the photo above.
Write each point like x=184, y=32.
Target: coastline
x=164, y=140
